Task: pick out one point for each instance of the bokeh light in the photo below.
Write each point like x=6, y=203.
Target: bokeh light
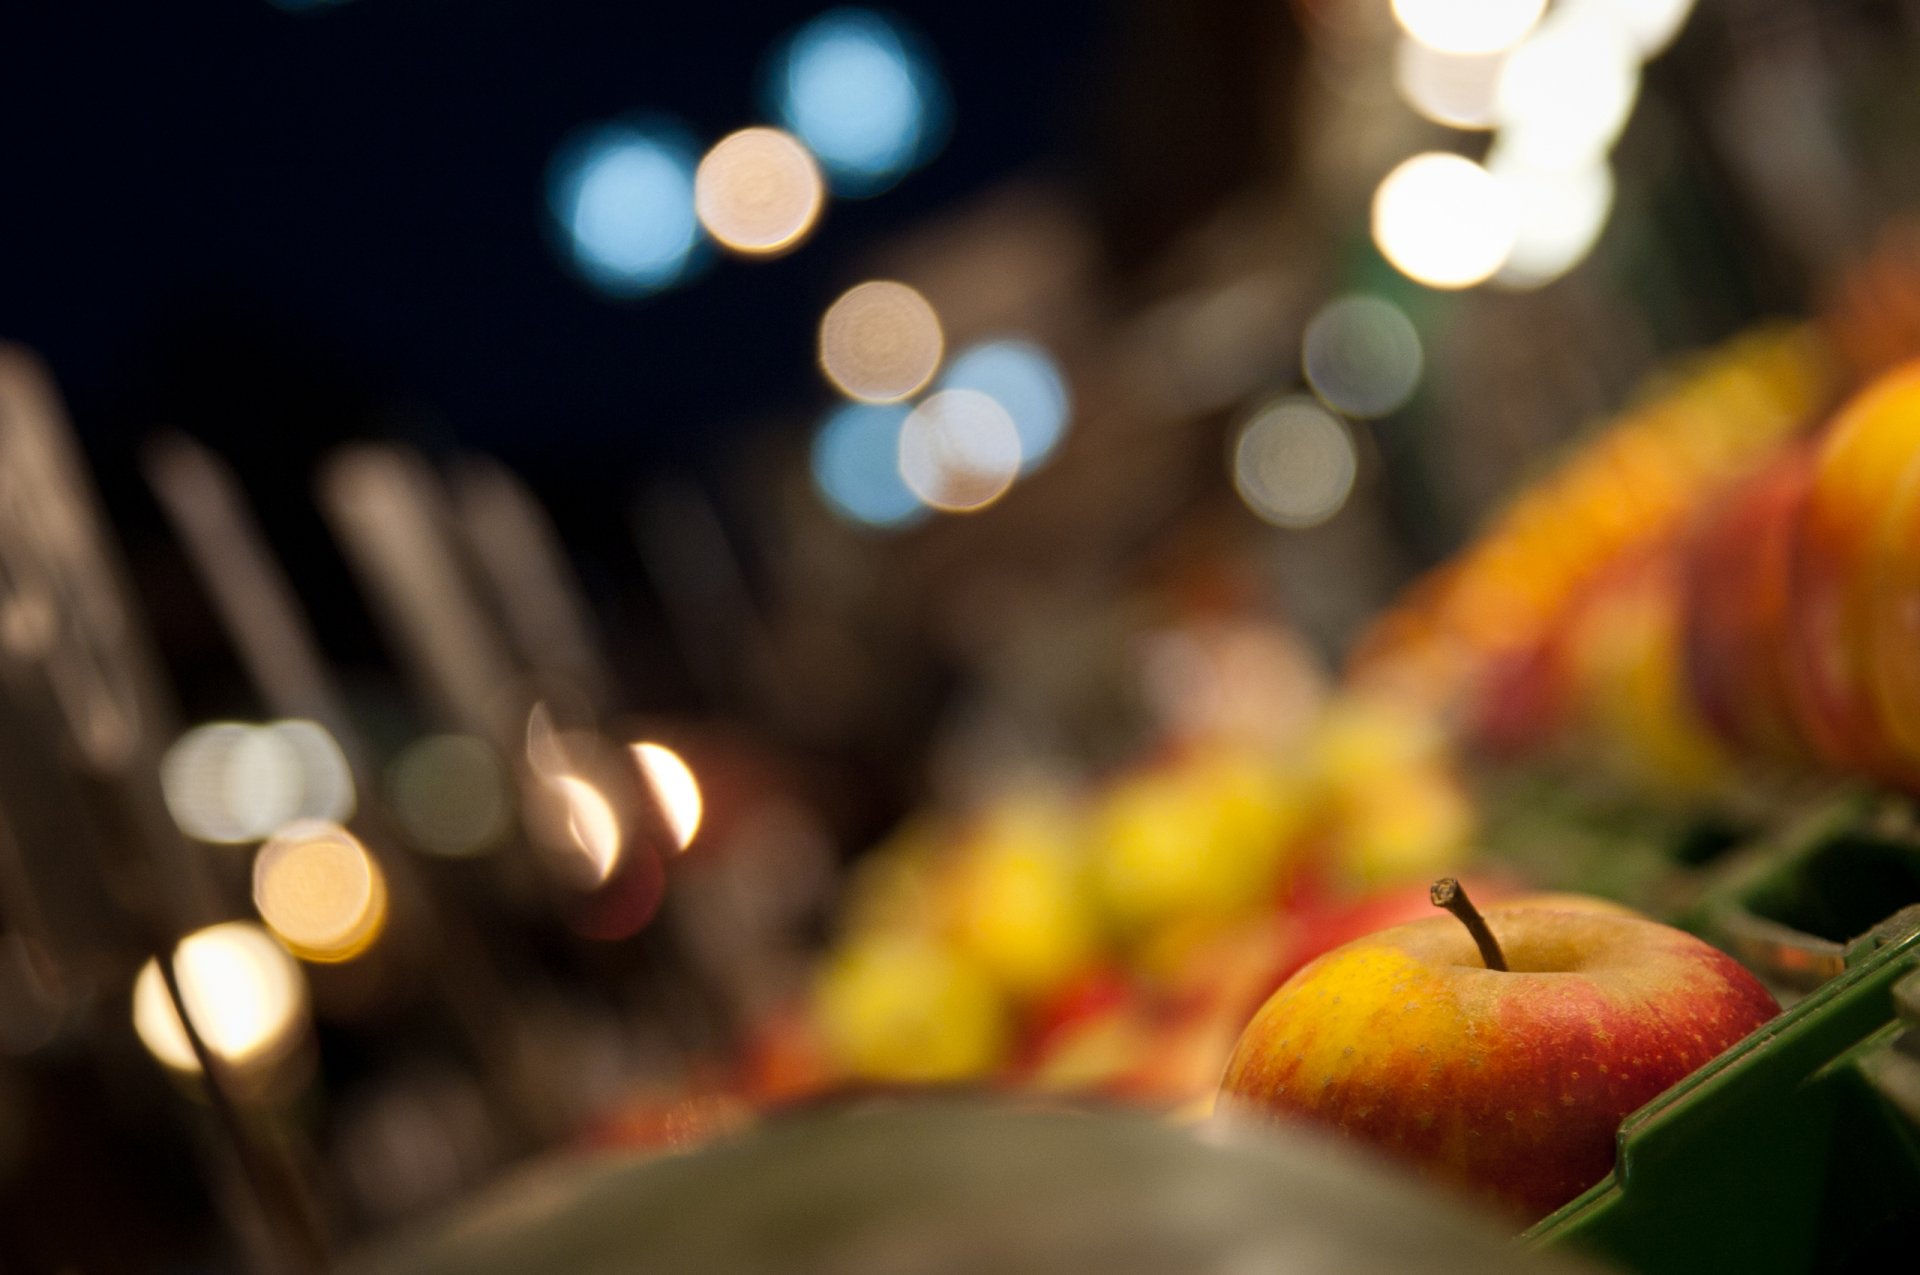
x=1652, y=24
x=315, y=886
x=856, y=465
x=622, y=196
x=449, y=794
x=1559, y=215
x=1294, y=464
x=1455, y=89
x=853, y=86
x=880, y=342
x=244, y=993
x=1361, y=355
x=1443, y=221
x=592, y=825
x=959, y=450
x=758, y=192
x=231, y=783
x=1024, y=379
x=1566, y=93
x=674, y=789
x=1468, y=26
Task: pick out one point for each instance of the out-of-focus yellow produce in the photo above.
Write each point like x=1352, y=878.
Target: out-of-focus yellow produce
x=905, y=1011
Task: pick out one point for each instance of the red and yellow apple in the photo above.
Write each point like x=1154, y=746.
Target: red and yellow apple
x=1510, y=1083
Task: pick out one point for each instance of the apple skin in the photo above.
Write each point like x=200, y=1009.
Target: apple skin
x=1510, y=1084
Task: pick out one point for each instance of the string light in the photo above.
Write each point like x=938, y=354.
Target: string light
x=758, y=192
x=880, y=342
x=1443, y=221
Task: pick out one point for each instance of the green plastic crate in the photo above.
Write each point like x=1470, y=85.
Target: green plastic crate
x=1798, y=1149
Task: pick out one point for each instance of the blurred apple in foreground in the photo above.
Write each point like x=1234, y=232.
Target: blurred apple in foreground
x=1510, y=1082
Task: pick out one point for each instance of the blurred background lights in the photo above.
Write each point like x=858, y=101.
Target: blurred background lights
x=758, y=191
x=316, y=887
x=1294, y=464
x=1455, y=89
x=1559, y=215
x=230, y=782
x=1652, y=24
x=675, y=790
x=1023, y=378
x=1443, y=221
x=959, y=450
x=880, y=341
x=1361, y=355
x=1566, y=93
x=449, y=795
x=591, y=824
x=851, y=86
x=623, y=198
x=856, y=465
x=1468, y=26
x=244, y=993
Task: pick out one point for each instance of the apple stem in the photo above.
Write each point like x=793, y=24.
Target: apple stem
x=1448, y=893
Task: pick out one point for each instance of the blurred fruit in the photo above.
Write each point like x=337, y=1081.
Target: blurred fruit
x=904, y=1010
x=1205, y=837
x=1861, y=460
x=1016, y=905
x=1624, y=648
x=1736, y=608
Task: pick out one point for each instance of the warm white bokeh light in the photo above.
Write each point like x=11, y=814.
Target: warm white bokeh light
x=959, y=450
x=1294, y=464
x=1566, y=93
x=1455, y=89
x=1468, y=26
x=316, y=887
x=1652, y=24
x=1443, y=221
x=1559, y=215
x=1361, y=355
x=880, y=341
x=231, y=782
x=244, y=993
x=674, y=789
x=758, y=191
x=592, y=826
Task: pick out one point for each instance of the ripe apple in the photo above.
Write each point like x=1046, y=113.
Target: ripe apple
x=1508, y=1082
x=1860, y=463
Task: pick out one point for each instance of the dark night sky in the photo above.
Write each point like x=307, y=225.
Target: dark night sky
x=212, y=208
x=278, y=230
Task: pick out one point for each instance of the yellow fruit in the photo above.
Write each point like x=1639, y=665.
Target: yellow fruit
x=908, y=1012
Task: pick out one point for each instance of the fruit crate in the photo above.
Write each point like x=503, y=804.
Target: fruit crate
x=1799, y=1149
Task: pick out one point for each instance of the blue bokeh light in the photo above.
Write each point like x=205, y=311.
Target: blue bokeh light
x=1026, y=381
x=856, y=465
x=855, y=88
x=622, y=197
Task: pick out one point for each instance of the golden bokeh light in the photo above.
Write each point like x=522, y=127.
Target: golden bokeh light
x=880, y=342
x=758, y=191
x=244, y=993
x=1294, y=464
x=1443, y=221
x=674, y=789
x=1468, y=26
x=959, y=450
x=317, y=888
